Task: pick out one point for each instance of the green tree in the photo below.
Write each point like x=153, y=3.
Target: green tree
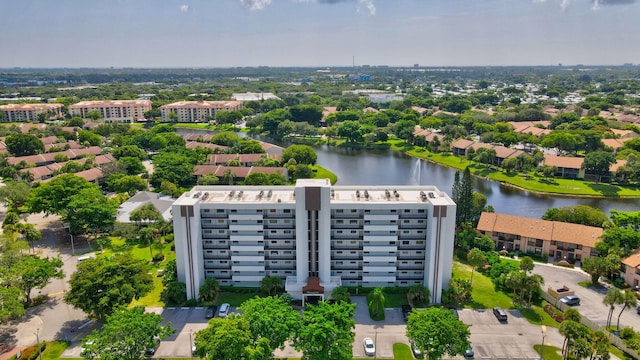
x=145, y=214
x=129, y=151
x=477, y=259
x=94, y=115
x=53, y=197
x=208, y=179
x=463, y=197
x=34, y=272
x=377, y=301
x=598, y=163
x=89, y=137
x=126, y=335
x=90, y=210
x=176, y=167
x=12, y=304
x=437, y=332
x=326, y=331
x=419, y=293
x=614, y=297
x=209, y=290
x=459, y=292
x=594, y=266
x=24, y=144
x=15, y=193
x=224, y=339
x=270, y=285
x=629, y=300
x=175, y=292
x=129, y=184
x=228, y=117
x=303, y=154
x=270, y=318
x=131, y=165
x=256, y=178
x=350, y=130
x=526, y=264
x=311, y=114
x=303, y=171
x=99, y=286
x=577, y=214
x=341, y=293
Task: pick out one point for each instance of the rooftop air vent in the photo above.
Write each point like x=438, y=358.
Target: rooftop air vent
x=387, y=194
x=260, y=194
x=358, y=194
x=432, y=195
x=240, y=193
x=423, y=196
x=366, y=194
x=269, y=193
x=197, y=195
x=205, y=196
x=232, y=193
x=396, y=194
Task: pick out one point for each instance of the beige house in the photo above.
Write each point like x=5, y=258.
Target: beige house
x=28, y=112
x=540, y=237
x=631, y=269
x=120, y=111
x=196, y=111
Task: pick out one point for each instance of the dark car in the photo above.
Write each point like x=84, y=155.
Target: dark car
x=210, y=312
x=406, y=310
x=638, y=310
x=570, y=300
x=468, y=354
x=152, y=351
x=500, y=314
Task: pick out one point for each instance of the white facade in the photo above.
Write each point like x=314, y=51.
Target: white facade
x=344, y=235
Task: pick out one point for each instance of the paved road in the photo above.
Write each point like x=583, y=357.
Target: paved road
x=591, y=305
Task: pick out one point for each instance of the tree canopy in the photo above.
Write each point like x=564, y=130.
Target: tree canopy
x=577, y=214
x=24, y=144
x=438, y=332
x=326, y=331
x=53, y=197
x=302, y=154
x=99, y=286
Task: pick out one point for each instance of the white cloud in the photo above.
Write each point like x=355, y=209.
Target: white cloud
x=184, y=8
x=368, y=4
x=255, y=4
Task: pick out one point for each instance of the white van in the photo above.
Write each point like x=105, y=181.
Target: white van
x=84, y=257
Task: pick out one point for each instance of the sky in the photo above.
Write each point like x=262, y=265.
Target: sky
x=317, y=33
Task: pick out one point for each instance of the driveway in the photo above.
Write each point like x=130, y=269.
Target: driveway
x=591, y=305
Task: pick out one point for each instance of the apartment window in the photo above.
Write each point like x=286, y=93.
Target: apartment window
x=353, y=221
x=407, y=211
x=220, y=221
x=339, y=231
x=339, y=211
x=272, y=210
x=273, y=231
x=233, y=211
x=354, y=242
x=353, y=231
x=287, y=232
x=421, y=211
x=338, y=242
x=274, y=253
x=339, y=221
x=353, y=211
x=274, y=242
x=287, y=211
x=206, y=210
x=273, y=221
x=405, y=243
x=405, y=221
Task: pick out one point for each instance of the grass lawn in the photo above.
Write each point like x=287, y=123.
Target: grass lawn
x=530, y=181
x=537, y=315
x=236, y=299
x=194, y=126
x=484, y=293
x=402, y=352
x=550, y=352
x=54, y=349
x=323, y=173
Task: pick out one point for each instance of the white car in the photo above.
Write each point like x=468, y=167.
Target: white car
x=369, y=347
x=224, y=310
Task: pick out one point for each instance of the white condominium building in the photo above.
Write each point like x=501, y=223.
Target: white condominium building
x=315, y=236
x=122, y=111
x=196, y=111
x=28, y=112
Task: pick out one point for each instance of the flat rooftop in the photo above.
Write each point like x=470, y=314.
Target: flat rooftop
x=339, y=194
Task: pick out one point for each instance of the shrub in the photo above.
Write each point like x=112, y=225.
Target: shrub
x=158, y=258
x=627, y=333
x=191, y=302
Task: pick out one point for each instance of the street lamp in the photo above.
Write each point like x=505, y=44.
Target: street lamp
x=73, y=249
x=191, y=342
x=544, y=334
x=38, y=340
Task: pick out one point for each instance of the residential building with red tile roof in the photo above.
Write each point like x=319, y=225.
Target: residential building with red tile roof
x=28, y=112
x=120, y=111
x=244, y=159
x=557, y=239
x=631, y=269
x=197, y=111
x=567, y=167
x=239, y=172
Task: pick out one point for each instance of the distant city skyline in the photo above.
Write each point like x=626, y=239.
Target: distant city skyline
x=317, y=33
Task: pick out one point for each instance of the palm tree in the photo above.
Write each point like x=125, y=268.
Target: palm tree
x=613, y=297
x=377, y=300
x=477, y=259
x=271, y=284
x=146, y=234
x=418, y=292
x=228, y=176
x=629, y=299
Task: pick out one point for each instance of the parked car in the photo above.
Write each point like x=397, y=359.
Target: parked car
x=500, y=314
x=416, y=352
x=570, y=300
x=468, y=354
x=406, y=310
x=224, y=310
x=152, y=351
x=211, y=312
x=638, y=310
x=369, y=347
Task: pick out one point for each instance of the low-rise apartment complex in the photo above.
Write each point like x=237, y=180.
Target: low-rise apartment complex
x=196, y=111
x=315, y=236
x=29, y=112
x=121, y=111
x=556, y=239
